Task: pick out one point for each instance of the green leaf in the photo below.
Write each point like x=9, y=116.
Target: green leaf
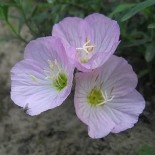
x=137, y=38
x=34, y=11
x=4, y=12
x=121, y=8
x=151, y=26
x=139, y=7
x=1, y=13
x=143, y=73
x=146, y=150
x=150, y=52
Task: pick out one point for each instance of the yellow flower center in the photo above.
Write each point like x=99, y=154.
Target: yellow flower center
x=54, y=74
x=96, y=97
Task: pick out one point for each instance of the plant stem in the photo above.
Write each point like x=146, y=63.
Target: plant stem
x=26, y=21
x=14, y=31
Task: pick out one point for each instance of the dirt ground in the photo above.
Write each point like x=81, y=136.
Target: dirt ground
x=57, y=131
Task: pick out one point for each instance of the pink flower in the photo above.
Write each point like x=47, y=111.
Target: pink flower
x=106, y=99
x=94, y=39
x=43, y=80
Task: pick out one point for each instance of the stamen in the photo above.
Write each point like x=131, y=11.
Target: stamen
x=83, y=48
x=97, y=77
x=57, y=64
x=55, y=69
x=56, y=77
x=107, y=99
x=51, y=65
x=96, y=97
x=111, y=90
x=33, y=78
x=87, y=42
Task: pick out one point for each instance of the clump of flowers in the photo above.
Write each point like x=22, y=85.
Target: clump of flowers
x=105, y=96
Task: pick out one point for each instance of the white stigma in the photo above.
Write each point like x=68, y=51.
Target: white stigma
x=106, y=98
x=86, y=46
x=86, y=51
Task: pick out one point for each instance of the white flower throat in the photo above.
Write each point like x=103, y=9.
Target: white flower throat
x=53, y=69
x=54, y=74
x=86, y=51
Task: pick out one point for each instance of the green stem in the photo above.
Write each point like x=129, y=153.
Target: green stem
x=14, y=31
x=26, y=21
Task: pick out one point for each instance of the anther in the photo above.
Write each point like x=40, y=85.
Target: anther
x=34, y=78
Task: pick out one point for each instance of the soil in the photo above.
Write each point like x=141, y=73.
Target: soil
x=58, y=131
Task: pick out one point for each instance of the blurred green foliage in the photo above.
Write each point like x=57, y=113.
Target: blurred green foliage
x=136, y=19
x=146, y=150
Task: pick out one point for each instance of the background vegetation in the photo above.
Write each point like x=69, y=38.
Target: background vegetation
x=135, y=17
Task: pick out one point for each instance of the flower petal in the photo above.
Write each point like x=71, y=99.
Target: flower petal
x=96, y=61
x=106, y=38
x=117, y=76
x=100, y=123
x=46, y=48
x=73, y=32
x=27, y=79
x=125, y=110
x=106, y=32
x=97, y=119
x=42, y=101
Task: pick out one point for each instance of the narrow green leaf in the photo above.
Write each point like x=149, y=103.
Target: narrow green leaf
x=143, y=73
x=34, y=11
x=21, y=22
x=1, y=13
x=4, y=12
x=150, y=52
x=151, y=26
x=121, y=8
x=139, y=7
